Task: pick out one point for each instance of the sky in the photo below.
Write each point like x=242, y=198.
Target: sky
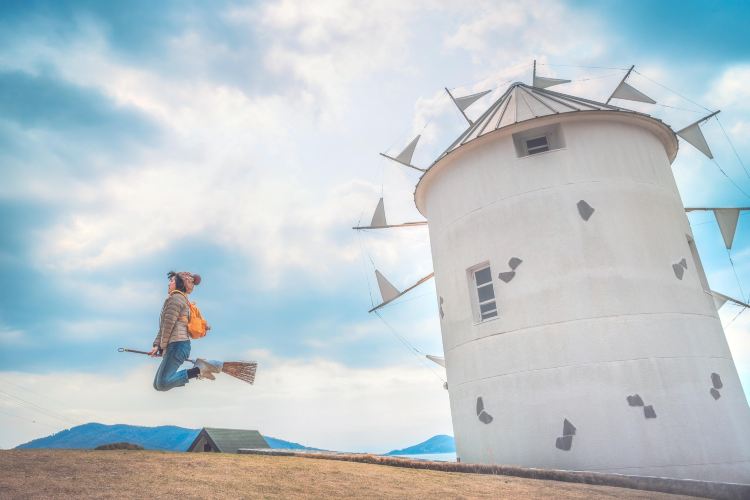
x=240, y=141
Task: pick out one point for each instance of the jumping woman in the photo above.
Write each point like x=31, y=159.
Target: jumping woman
x=173, y=341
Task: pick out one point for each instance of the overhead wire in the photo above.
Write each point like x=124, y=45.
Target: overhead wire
x=734, y=270
x=730, y=179
x=736, y=316
x=38, y=408
x=421, y=356
x=364, y=264
x=672, y=90
x=729, y=140
x=26, y=419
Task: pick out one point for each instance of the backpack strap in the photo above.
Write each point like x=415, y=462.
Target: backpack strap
x=186, y=318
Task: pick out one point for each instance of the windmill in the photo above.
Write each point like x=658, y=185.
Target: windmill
x=578, y=325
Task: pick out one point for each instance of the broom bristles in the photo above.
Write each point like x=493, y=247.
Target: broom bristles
x=243, y=370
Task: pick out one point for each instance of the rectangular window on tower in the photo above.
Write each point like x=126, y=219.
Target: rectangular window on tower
x=483, y=293
x=538, y=140
x=537, y=145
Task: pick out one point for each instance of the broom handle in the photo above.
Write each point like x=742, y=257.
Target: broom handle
x=124, y=349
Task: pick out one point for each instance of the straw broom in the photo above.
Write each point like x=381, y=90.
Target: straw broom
x=242, y=370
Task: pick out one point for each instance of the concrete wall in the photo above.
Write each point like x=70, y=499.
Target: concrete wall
x=602, y=307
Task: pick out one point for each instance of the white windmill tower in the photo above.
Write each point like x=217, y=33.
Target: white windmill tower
x=578, y=326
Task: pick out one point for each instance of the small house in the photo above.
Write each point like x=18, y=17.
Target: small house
x=210, y=439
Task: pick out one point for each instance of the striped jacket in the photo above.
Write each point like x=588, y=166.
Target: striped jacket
x=171, y=329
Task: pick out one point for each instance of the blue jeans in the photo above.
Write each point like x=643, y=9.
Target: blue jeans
x=167, y=376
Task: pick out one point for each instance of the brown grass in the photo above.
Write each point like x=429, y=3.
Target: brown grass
x=149, y=474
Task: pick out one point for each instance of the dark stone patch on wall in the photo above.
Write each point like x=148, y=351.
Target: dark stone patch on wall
x=484, y=417
x=716, y=381
x=679, y=271
x=585, y=210
x=568, y=428
x=717, y=384
x=507, y=276
x=648, y=412
x=565, y=442
x=683, y=263
x=635, y=400
x=440, y=306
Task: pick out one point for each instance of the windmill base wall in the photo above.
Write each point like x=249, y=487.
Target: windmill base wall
x=689, y=434
x=607, y=304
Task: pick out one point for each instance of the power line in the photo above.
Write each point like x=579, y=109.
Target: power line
x=27, y=419
x=672, y=90
x=732, y=145
x=38, y=408
x=731, y=261
x=730, y=179
x=584, y=67
x=416, y=352
x=736, y=316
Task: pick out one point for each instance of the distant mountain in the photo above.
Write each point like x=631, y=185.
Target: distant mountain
x=436, y=444
x=87, y=436
x=166, y=437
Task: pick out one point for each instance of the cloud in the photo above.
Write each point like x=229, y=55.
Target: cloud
x=525, y=29
x=12, y=336
x=730, y=89
x=95, y=330
x=329, y=44
x=316, y=402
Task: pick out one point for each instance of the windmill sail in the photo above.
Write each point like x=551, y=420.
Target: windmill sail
x=720, y=299
x=542, y=82
x=378, y=218
x=467, y=100
x=387, y=291
x=627, y=92
x=436, y=359
x=694, y=136
x=390, y=292
x=405, y=156
x=727, y=219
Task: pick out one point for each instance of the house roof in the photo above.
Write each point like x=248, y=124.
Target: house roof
x=231, y=440
x=523, y=102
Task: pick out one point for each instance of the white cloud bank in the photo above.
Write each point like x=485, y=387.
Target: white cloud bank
x=314, y=402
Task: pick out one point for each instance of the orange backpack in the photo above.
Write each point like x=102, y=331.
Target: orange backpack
x=197, y=327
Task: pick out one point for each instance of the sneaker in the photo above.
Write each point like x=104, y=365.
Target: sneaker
x=207, y=369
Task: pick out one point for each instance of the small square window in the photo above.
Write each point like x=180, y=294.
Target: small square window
x=483, y=293
x=538, y=140
x=537, y=145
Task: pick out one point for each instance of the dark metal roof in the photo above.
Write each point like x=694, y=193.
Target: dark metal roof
x=231, y=440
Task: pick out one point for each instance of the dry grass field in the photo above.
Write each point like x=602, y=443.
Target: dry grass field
x=149, y=474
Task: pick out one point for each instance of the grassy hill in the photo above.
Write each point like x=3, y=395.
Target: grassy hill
x=149, y=474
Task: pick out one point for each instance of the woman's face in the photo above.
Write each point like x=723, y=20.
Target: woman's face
x=171, y=286
x=189, y=286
